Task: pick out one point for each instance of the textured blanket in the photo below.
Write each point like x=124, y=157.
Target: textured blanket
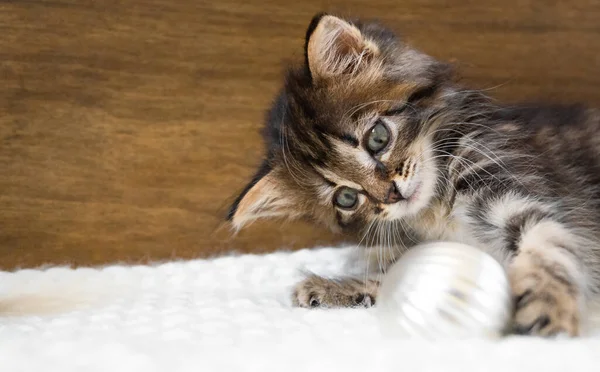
x=230, y=314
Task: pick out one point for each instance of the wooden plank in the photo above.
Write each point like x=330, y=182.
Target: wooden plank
x=126, y=127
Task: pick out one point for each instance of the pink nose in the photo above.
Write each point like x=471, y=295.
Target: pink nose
x=393, y=195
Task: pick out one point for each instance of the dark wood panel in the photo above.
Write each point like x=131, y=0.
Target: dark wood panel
x=126, y=127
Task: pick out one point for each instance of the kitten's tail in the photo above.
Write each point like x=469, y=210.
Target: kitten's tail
x=29, y=305
x=52, y=292
x=44, y=304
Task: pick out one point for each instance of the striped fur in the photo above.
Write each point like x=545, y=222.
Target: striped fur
x=522, y=183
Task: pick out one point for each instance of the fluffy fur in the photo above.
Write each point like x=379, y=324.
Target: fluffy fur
x=522, y=183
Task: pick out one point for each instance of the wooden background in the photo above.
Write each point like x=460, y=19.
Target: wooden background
x=126, y=127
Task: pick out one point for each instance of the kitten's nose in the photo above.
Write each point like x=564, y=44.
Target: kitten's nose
x=393, y=195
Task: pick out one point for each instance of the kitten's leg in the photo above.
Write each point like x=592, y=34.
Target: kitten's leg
x=546, y=280
x=547, y=260
x=316, y=291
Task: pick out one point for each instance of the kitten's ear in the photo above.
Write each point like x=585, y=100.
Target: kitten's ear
x=264, y=197
x=334, y=47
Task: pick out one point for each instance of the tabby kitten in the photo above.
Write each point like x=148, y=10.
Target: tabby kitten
x=370, y=134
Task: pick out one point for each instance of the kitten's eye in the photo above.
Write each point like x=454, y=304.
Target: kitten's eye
x=378, y=138
x=346, y=198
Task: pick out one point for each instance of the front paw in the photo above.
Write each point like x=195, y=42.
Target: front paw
x=546, y=303
x=316, y=291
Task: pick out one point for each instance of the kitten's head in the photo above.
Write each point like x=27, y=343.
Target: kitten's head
x=349, y=137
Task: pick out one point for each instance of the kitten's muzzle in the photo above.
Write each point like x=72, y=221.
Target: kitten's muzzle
x=393, y=195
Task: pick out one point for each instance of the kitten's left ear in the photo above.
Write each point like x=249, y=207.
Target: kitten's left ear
x=335, y=47
x=264, y=197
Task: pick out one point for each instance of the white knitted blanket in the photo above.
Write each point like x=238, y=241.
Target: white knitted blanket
x=230, y=314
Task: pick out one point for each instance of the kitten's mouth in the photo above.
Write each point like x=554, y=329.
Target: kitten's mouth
x=415, y=193
x=412, y=192
x=414, y=199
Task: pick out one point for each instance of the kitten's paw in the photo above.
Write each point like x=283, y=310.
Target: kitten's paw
x=316, y=291
x=546, y=303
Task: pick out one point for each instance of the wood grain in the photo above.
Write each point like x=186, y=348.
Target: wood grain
x=126, y=127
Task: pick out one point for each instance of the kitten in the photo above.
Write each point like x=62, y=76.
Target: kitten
x=369, y=134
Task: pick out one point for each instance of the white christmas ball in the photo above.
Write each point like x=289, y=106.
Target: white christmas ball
x=444, y=289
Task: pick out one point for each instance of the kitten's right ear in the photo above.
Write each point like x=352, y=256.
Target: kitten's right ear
x=335, y=47
x=263, y=197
